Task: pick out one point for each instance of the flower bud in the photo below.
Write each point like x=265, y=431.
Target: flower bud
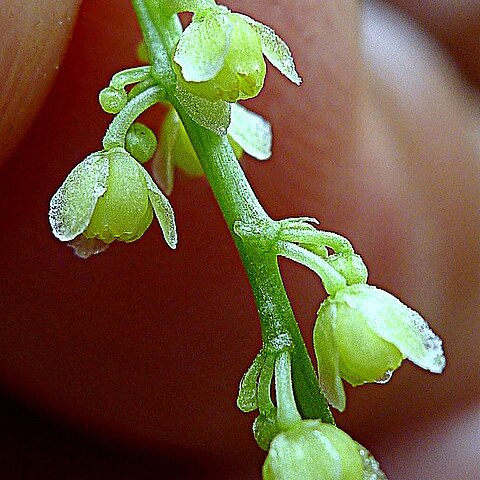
x=110, y=196
x=219, y=57
x=123, y=212
x=112, y=100
x=363, y=333
x=350, y=266
x=140, y=142
x=312, y=450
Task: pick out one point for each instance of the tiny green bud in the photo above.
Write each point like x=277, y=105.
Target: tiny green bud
x=351, y=266
x=140, y=142
x=363, y=333
x=312, y=450
x=112, y=100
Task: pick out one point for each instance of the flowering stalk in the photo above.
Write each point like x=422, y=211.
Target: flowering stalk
x=238, y=202
x=362, y=333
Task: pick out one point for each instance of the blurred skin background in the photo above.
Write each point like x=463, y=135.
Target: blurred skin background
x=127, y=365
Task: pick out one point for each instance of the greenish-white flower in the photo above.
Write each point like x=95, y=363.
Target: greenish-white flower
x=220, y=55
x=110, y=196
x=362, y=334
x=313, y=450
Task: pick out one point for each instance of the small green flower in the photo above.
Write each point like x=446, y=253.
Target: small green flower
x=220, y=55
x=247, y=131
x=313, y=450
x=363, y=333
x=110, y=196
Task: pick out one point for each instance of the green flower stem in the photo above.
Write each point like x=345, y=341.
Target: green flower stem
x=132, y=75
x=317, y=237
x=287, y=413
x=117, y=130
x=238, y=202
x=331, y=279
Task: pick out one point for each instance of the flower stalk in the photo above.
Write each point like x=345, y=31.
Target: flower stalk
x=362, y=333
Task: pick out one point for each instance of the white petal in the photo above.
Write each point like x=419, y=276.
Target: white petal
x=163, y=210
x=252, y=132
x=203, y=47
x=72, y=206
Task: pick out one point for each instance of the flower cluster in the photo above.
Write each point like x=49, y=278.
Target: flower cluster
x=362, y=334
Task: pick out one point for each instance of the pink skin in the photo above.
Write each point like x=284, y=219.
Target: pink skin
x=383, y=150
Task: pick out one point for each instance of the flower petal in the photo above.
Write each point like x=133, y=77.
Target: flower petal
x=275, y=49
x=214, y=116
x=398, y=324
x=203, y=47
x=328, y=359
x=252, y=132
x=123, y=212
x=72, y=206
x=163, y=210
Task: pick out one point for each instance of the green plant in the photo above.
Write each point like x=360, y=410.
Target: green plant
x=362, y=333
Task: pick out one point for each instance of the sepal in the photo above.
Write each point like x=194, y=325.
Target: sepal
x=203, y=48
x=213, y=115
x=276, y=50
x=72, y=206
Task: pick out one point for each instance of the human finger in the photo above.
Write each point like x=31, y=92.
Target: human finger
x=34, y=36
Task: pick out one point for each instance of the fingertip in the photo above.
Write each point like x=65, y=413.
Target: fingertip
x=34, y=37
